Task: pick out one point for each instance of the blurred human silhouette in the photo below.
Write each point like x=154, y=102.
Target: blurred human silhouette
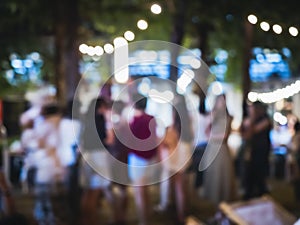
x=295, y=160
x=258, y=133
x=202, y=119
x=50, y=172
x=119, y=169
x=67, y=152
x=176, y=150
x=29, y=145
x=95, y=166
x=143, y=127
x=9, y=213
x=219, y=177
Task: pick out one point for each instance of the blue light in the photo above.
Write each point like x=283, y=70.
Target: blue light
x=24, y=70
x=17, y=63
x=266, y=64
x=28, y=63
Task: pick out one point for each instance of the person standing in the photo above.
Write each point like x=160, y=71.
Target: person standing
x=95, y=167
x=50, y=172
x=142, y=154
x=201, y=139
x=219, y=176
x=69, y=134
x=29, y=144
x=119, y=152
x=295, y=160
x=260, y=145
x=177, y=144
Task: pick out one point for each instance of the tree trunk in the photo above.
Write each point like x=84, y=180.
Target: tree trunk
x=203, y=30
x=246, y=81
x=177, y=35
x=72, y=52
x=66, y=44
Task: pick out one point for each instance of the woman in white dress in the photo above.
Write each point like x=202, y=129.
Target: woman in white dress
x=219, y=178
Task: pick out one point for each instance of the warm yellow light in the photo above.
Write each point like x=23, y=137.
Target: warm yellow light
x=277, y=28
x=98, y=50
x=265, y=26
x=83, y=48
x=129, y=35
x=156, y=9
x=108, y=48
x=252, y=19
x=120, y=41
x=293, y=31
x=142, y=24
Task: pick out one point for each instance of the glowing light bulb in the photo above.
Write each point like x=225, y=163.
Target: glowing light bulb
x=156, y=9
x=83, y=48
x=142, y=24
x=293, y=31
x=108, y=48
x=252, y=19
x=265, y=26
x=120, y=41
x=129, y=35
x=277, y=28
x=98, y=50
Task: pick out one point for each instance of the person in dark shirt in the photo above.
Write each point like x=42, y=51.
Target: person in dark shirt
x=260, y=146
x=119, y=152
x=95, y=167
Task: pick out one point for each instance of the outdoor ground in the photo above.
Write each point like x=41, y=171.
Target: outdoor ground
x=281, y=192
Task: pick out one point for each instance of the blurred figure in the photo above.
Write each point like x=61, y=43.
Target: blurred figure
x=120, y=152
x=258, y=132
x=95, y=163
x=67, y=152
x=295, y=160
x=37, y=100
x=176, y=149
x=143, y=127
x=201, y=140
x=29, y=145
x=281, y=138
x=9, y=214
x=243, y=157
x=50, y=172
x=219, y=177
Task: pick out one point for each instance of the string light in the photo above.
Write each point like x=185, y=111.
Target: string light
x=265, y=26
x=142, y=24
x=276, y=28
x=128, y=35
x=108, y=48
x=99, y=51
x=277, y=95
x=252, y=19
x=293, y=31
x=156, y=9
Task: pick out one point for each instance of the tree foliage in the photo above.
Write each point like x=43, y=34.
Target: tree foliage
x=208, y=25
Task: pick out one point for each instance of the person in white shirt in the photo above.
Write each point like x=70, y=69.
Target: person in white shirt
x=67, y=153
x=50, y=172
x=201, y=139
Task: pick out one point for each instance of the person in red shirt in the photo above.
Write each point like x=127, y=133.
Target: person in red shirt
x=143, y=153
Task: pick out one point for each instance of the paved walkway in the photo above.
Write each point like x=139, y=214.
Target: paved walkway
x=281, y=191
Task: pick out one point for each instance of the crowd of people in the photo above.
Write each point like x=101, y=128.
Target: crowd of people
x=83, y=158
